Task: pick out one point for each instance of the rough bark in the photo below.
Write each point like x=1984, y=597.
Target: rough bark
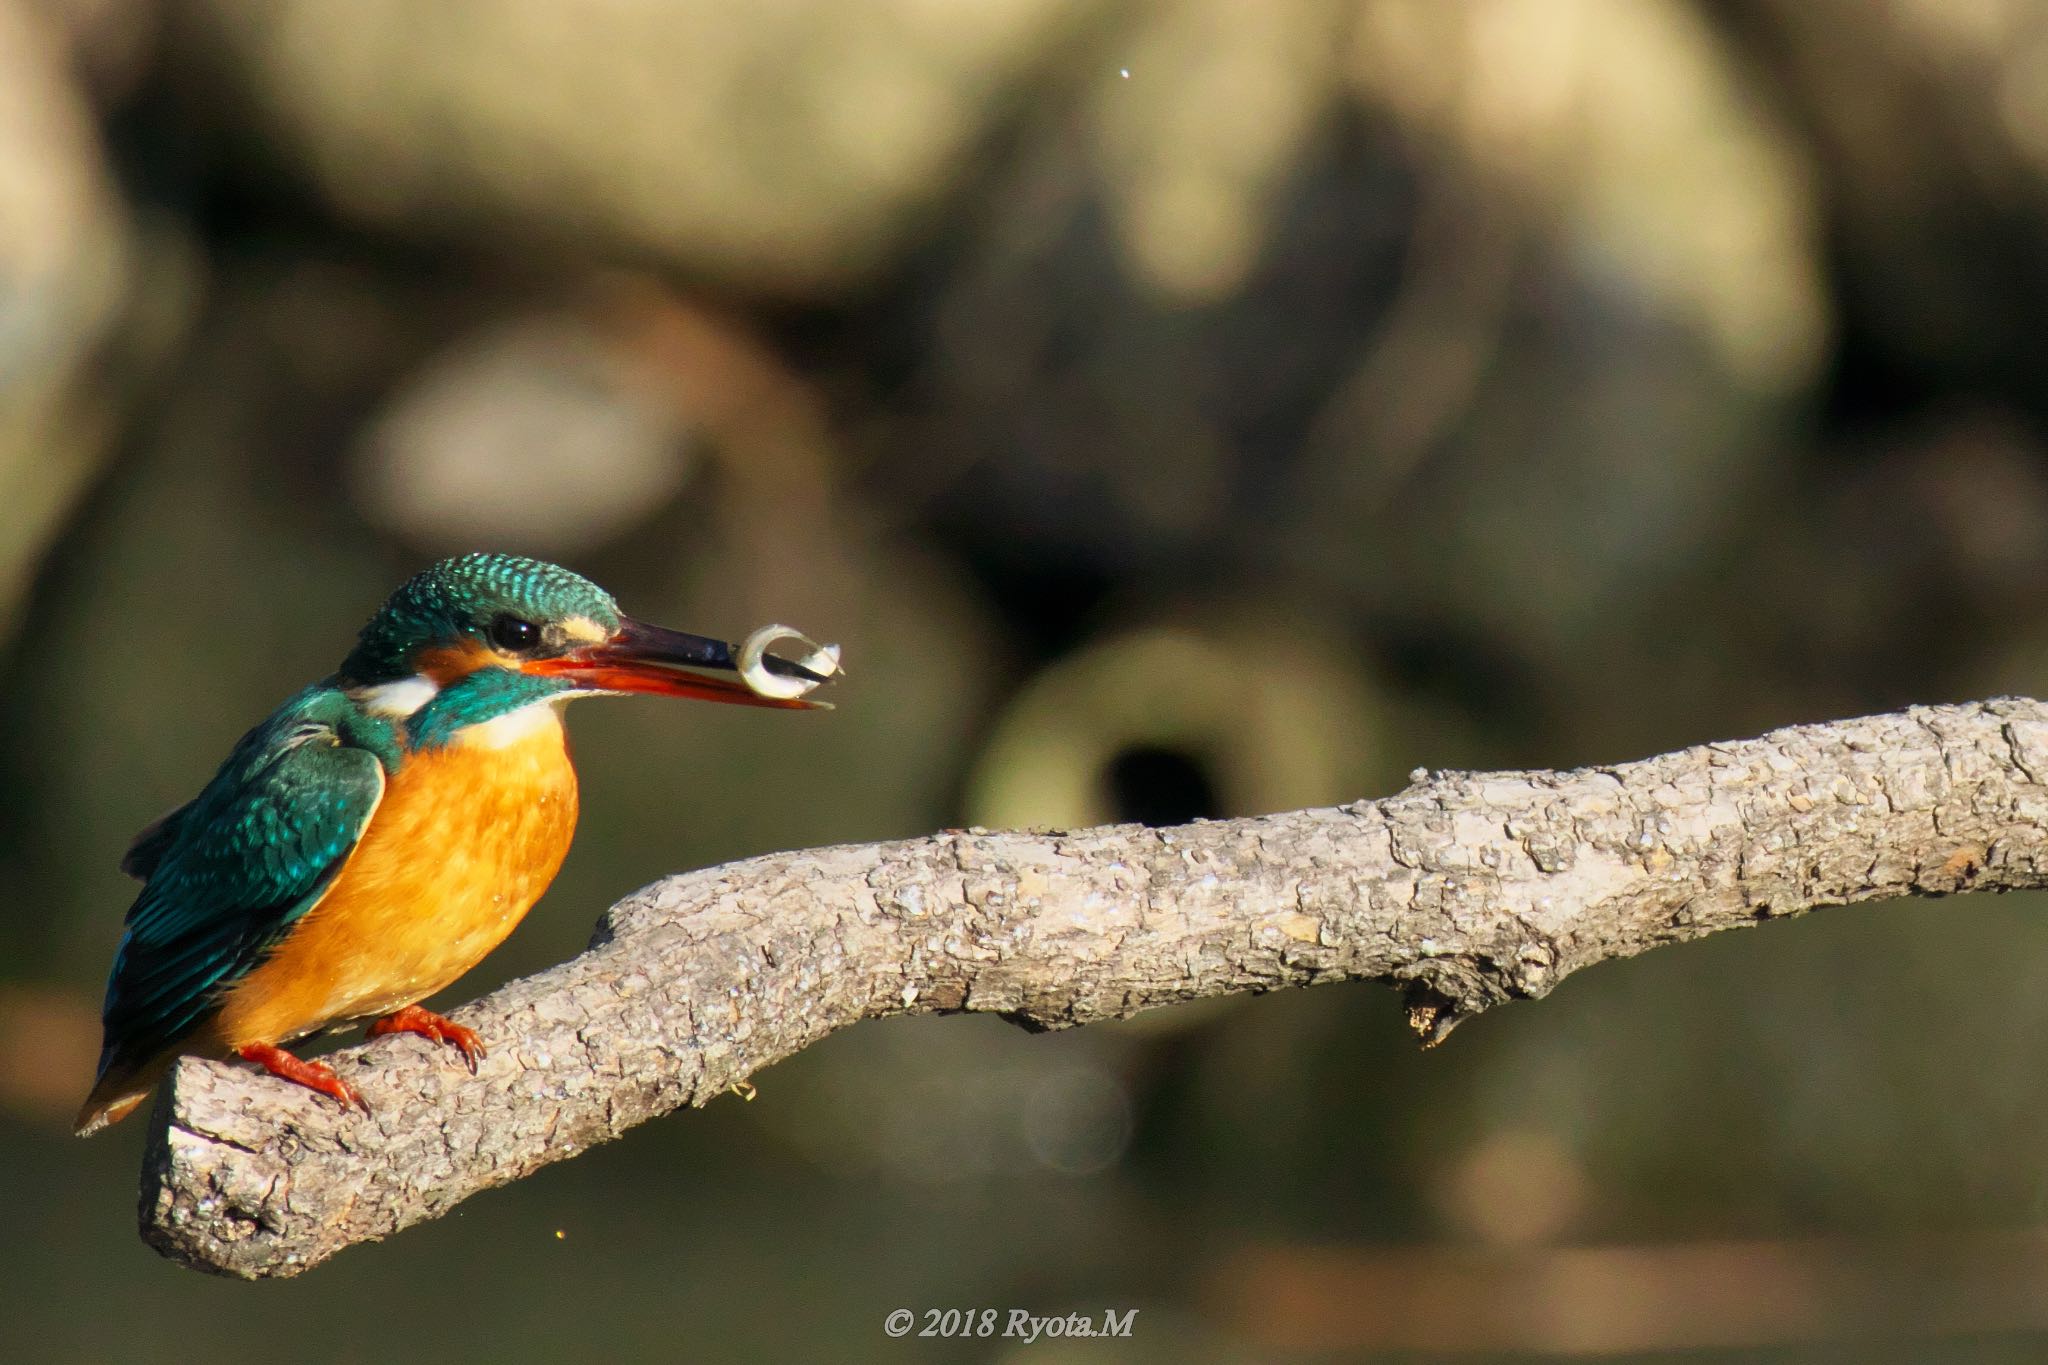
x=1465, y=890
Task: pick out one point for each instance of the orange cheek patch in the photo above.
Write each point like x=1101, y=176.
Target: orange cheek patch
x=451, y=663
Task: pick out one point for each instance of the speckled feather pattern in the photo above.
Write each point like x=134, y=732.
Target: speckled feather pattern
x=449, y=600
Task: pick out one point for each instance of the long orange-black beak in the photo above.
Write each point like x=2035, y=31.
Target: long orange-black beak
x=670, y=663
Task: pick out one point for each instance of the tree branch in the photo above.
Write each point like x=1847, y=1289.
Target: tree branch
x=1466, y=890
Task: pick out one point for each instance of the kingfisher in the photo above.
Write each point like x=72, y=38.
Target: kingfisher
x=388, y=826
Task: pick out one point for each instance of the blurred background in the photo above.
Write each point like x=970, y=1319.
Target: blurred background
x=1176, y=408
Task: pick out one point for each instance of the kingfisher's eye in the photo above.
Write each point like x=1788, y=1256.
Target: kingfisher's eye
x=514, y=635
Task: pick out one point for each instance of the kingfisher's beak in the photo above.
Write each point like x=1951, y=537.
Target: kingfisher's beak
x=669, y=663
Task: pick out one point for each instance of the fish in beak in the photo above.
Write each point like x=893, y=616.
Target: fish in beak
x=669, y=663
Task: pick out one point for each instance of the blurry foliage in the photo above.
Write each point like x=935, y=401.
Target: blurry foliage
x=1177, y=408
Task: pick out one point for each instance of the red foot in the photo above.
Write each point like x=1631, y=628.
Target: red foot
x=313, y=1075
x=426, y=1023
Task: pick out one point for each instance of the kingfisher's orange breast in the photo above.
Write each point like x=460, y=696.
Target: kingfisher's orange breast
x=466, y=838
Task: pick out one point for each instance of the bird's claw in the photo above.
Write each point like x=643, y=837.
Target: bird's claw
x=436, y=1028
x=346, y=1093
x=316, y=1076
x=469, y=1043
x=323, y=1078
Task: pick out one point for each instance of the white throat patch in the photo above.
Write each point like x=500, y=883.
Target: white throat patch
x=398, y=699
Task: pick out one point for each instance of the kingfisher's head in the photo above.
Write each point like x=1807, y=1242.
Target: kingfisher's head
x=483, y=634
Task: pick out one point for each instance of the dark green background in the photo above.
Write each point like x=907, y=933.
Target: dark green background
x=1353, y=385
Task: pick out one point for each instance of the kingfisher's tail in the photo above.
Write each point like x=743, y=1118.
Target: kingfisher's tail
x=119, y=1089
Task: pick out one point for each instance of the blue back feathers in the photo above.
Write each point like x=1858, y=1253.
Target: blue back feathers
x=230, y=872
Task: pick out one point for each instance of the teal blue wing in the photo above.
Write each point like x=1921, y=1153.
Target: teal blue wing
x=229, y=873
